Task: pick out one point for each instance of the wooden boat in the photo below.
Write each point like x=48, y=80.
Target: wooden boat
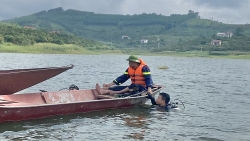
x=13, y=81
x=18, y=107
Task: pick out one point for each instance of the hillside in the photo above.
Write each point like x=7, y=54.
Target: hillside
x=19, y=35
x=174, y=32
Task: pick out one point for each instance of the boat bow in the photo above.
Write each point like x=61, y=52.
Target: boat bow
x=13, y=81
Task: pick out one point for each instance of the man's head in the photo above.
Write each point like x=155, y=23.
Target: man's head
x=134, y=61
x=163, y=99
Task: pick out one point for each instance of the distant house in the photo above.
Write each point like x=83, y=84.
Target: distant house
x=125, y=37
x=55, y=31
x=30, y=27
x=220, y=34
x=225, y=34
x=144, y=41
x=216, y=42
x=228, y=34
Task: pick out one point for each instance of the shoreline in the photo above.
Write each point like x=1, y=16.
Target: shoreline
x=47, y=48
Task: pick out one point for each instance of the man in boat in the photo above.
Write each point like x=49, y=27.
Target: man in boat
x=140, y=76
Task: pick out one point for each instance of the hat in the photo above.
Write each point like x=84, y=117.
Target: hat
x=133, y=58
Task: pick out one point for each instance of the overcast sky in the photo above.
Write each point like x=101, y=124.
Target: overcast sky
x=226, y=11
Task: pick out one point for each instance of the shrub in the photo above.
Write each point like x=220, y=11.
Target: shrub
x=1, y=39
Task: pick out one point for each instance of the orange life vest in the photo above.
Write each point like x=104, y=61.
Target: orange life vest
x=136, y=76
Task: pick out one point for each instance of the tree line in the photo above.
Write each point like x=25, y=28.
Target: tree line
x=20, y=35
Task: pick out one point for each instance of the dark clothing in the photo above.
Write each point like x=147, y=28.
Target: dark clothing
x=152, y=99
x=145, y=69
x=119, y=88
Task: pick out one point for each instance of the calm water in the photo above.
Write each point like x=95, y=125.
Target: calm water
x=216, y=93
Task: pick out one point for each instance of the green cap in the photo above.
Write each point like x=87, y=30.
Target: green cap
x=133, y=58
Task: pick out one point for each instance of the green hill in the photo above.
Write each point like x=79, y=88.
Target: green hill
x=27, y=35
x=164, y=33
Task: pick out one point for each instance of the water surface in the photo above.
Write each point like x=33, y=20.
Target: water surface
x=216, y=93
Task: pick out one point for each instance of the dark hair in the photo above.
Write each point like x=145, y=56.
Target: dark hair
x=73, y=87
x=165, y=97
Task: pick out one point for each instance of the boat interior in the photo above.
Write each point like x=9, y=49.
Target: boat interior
x=59, y=97
x=66, y=96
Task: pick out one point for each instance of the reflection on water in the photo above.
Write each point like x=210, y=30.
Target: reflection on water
x=71, y=126
x=216, y=94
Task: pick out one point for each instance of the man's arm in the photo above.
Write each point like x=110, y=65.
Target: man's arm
x=119, y=80
x=152, y=99
x=148, y=79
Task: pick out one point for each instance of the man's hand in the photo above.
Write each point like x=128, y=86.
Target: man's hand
x=150, y=91
x=149, y=96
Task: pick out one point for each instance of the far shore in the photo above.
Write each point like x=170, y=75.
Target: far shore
x=48, y=48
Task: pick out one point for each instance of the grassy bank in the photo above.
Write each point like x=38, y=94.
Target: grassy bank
x=48, y=48
x=223, y=54
x=207, y=54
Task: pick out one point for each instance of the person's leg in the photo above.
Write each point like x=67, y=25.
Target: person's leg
x=141, y=88
x=101, y=90
x=117, y=88
x=136, y=88
x=126, y=89
x=112, y=90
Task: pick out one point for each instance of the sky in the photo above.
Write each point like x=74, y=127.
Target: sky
x=226, y=11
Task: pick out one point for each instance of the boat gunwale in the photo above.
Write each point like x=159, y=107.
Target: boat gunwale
x=57, y=104
x=33, y=70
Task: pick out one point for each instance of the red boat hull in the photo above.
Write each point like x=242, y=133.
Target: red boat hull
x=34, y=112
x=13, y=81
x=39, y=105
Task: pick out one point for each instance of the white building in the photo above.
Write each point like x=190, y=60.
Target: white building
x=225, y=34
x=216, y=42
x=125, y=37
x=220, y=34
x=144, y=41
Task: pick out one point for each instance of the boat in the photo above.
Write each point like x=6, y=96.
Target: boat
x=18, y=107
x=13, y=81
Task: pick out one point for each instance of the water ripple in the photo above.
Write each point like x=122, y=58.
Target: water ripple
x=215, y=92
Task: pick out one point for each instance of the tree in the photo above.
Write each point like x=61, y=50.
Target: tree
x=1, y=39
x=190, y=12
x=239, y=32
x=9, y=38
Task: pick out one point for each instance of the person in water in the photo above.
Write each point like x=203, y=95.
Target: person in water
x=140, y=76
x=163, y=100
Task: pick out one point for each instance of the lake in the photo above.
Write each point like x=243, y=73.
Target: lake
x=215, y=92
